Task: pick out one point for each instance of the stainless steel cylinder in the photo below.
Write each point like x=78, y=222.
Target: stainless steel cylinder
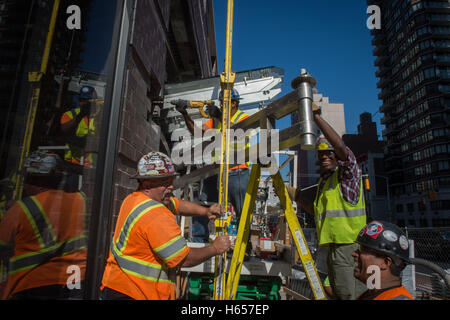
x=304, y=85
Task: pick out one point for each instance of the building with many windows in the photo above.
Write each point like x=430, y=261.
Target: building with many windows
x=413, y=59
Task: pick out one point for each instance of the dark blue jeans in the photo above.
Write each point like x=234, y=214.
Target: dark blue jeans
x=237, y=188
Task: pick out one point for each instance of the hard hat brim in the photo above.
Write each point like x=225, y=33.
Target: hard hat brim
x=138, y=177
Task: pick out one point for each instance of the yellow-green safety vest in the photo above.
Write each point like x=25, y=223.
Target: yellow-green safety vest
x=83, y=129
x=337, y=221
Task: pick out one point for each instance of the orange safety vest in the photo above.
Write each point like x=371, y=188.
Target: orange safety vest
x=146, y=247
x=237, y=117
x=399, y=293
x=47, y=234
x=85, y=127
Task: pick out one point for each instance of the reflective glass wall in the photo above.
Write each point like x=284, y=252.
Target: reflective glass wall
x=57, y=59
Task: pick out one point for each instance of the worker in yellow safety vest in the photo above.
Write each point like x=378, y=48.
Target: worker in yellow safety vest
x=338, y=207
x=80, y=123
x=239, y=175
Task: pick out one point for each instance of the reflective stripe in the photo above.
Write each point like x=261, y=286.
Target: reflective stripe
x=172, y=206
x=141, y=269
x=342, y=213
x=30, y=260
x=38, y=219
x=132, y=218
x=401, y=297
x=170, y=249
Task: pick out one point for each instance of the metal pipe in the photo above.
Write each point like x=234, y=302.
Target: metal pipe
x=304, y=85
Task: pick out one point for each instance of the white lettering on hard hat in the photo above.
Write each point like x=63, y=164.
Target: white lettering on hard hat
x=74, y=21
x=374, y=21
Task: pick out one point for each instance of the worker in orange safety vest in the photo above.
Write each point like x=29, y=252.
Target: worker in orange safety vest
x=147, y=246
x=42, y=237
x=383, y=251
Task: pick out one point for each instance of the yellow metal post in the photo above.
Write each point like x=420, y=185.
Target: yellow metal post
x=226, y=82
x=35, y=78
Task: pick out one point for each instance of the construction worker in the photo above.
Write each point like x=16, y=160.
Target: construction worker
x=338, y=207
x=384, y=247
x=78, y=124
x=42, y=237
x=147, y=246
x=239, y=175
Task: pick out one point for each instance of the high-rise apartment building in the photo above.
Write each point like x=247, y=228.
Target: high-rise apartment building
x=413, y=59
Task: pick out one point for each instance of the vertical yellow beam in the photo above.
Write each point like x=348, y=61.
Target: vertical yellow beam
x=227, y=82
x=34, y=78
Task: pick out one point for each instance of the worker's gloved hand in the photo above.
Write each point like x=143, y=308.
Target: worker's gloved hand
x=214, y=112
x=180, y=105
x=221, y=244
x=214, y=212
x=316, y=109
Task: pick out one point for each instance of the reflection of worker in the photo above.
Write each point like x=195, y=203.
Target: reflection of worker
x=147, y=244
x=43, y=235
x=239, y=175
x=78, y=124
x=338, y=208
x=384, y=246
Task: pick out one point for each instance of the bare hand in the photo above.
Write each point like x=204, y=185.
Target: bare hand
x=222, y=244
x=214, y=212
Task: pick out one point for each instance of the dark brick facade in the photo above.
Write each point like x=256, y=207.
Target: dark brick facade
x=145, y=77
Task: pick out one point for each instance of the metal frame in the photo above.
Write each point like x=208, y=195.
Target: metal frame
x=100, y=224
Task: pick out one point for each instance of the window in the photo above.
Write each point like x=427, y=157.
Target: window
x=410, y=207
x=399, y=208
x=443, y=165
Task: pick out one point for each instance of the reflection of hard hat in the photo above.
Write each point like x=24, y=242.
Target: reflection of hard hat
x=87, y=92
x=155, y=165
x=43, y=163
x=234, y=95
x=323, y=144
x=385, y=238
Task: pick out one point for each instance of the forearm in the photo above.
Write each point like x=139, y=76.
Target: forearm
x=305, y=203
x=189, y=209
x=199, y=255
x=332, y=136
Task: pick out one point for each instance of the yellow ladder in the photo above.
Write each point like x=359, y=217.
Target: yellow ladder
x=294, y=226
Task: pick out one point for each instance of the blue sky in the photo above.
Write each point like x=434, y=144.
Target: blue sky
x=327, y=37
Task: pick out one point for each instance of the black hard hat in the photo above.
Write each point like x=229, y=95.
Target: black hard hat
x=386, y=238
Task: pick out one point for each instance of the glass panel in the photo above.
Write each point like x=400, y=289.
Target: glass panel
x=53, y=79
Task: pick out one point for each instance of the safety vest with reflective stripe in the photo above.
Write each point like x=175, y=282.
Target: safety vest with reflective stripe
x=85, y=127
x=237, y=117
x=399, y=293
x=45, y=235
x=337, y=221
x=150, y=274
